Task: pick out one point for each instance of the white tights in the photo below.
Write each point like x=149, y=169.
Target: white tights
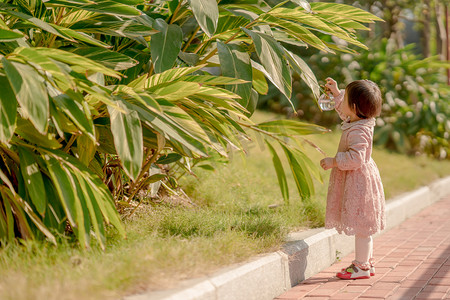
x=363, y=248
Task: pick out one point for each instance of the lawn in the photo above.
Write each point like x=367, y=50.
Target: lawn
x=237, y=212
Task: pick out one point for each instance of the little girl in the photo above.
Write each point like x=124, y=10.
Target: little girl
x=355, y=203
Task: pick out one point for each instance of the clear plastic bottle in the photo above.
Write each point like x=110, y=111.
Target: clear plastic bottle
x=326, y=101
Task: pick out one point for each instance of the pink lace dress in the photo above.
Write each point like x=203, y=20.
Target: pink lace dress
x=355, y=202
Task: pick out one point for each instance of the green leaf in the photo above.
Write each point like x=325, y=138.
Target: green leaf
x=37, y=22
x=81, y=36
x=170, y=75
x=291, y=127
x=110, y=59
x=100, y=6
x=175, y=90
x=303, y=3
x=26, y=130
x=169, y=158
x=74, y=110
x=346, y=11
x=296, y=30
x=165, y=45
x=272, y=58
x=77, y=62
x=207, y=14
x=9, y=35
x=280, y=173
x=65, y=187
x=259, y=82
x=95, y=213
x=86, y=149
x=33, y=179
x=155, y=178
x=212, y=80
x=305, y=72
x=302, y=179
x=30, y=92
x=8, y=110
x=235, y=62
x=128, y=140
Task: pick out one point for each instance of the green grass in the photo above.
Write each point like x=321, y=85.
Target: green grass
x=231, y=222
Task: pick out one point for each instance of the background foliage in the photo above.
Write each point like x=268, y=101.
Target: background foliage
x=412, y=76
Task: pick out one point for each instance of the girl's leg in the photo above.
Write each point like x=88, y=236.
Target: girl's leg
x=360, y=267
x=363, y=248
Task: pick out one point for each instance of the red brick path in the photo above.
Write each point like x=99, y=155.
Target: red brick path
x=413, y=262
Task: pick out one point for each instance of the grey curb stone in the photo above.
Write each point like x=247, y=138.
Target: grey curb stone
x=303, y=255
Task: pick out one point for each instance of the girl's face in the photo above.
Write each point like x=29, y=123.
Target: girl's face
x=349, y=111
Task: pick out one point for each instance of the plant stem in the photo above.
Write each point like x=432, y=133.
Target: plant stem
x=191, y=39
x=70, y=143
x=172, y=18
x=136, y=184
x=57, y=21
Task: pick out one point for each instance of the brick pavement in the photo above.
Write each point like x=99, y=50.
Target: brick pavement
x=412, y=262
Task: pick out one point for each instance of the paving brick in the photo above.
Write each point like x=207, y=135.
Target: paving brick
x=345, y=296
x=428, y=295
x=439, y=281
x=289, y=295
x=404, y=293
x=408, y=283
x=396, y=279
x=377, y=293
x=437, y=288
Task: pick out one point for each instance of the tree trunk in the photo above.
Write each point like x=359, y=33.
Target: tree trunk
x=426, y=34
x=447, y=25
x=441, y=37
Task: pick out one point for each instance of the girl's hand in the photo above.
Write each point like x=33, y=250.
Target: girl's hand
x=328, y=163
x=332, y=86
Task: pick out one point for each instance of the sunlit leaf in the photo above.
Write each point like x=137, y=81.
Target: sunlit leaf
x=207, y=14
x=165, y=45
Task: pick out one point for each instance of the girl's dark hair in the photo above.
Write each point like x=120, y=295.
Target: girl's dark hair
x=365, y=97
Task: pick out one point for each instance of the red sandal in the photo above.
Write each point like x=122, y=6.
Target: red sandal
x=355, y=271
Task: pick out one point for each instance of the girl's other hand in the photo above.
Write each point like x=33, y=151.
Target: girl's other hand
x=332, y=85
x=328, y=163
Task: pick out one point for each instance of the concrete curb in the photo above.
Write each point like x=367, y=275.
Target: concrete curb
x=303, y=255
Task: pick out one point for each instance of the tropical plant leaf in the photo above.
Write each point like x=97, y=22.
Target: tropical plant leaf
x=303, y=3
x=33, y=179
x=302, y=178
x=305, y=72
x=168, y=158
x=207, y=14
x=26, y=130
x=75, y=111
x=8, y=110
x=9, y=35
x=128, y=141
x=86, y=149
x=165, y=45
x=80, y=36
x=272, y=58
x=291, y=127
x=280, y=173
x=296, y=30
x=145, y=82
x=347, y=11
x=259, y=81
x=235, y=62
x=77, y=62
x=175, y=90
x=212, y=80
x=30, y=92
x=115, y=8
